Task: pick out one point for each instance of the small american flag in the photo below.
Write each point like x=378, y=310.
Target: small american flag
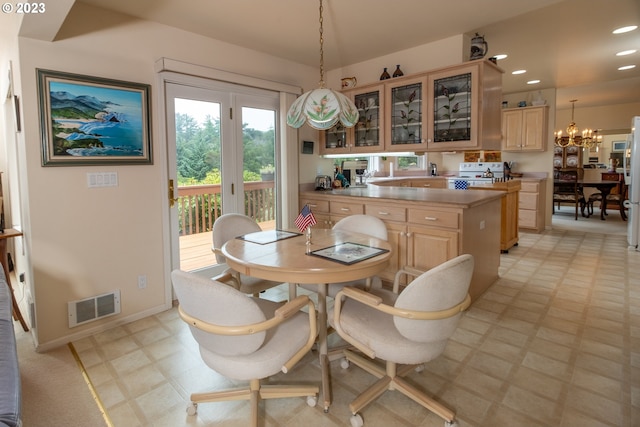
x=305, y=219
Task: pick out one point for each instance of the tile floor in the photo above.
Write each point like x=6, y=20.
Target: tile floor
x=554, y=342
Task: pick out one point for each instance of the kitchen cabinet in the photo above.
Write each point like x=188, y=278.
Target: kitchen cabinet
x=425, y=227
x=405, y=115
x=367, y=135
x=509, y=211
x=531, y=205
x=525, y=129
x=567, y=157
x=464, y=107
x=426, y=182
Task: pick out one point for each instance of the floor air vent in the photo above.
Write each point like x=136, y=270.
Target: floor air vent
x=94, y=308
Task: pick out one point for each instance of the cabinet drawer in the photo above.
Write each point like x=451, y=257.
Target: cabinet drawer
x=529, y=187
x=387, y=213
x=434, y=218
x=429, y=183
x=527, y=219
x=528, y=201
x=343, y=208
x=316, y=205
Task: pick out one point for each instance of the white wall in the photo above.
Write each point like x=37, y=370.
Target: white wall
x=84, y=242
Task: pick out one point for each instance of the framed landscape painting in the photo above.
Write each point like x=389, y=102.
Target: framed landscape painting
x=90, y=120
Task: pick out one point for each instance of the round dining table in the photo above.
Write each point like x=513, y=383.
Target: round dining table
x=290, y=259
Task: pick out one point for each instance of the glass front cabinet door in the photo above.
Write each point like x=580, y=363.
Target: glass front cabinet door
x=464, y=108
x=406, y=115
x=366, y=135
x=334, y=140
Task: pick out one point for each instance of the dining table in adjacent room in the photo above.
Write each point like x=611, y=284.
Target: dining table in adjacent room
x=332, y=256
x=603, y=186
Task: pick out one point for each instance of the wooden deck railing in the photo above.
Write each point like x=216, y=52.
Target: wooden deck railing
x=200, y=205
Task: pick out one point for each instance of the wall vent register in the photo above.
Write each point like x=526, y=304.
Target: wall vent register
x=94, y=308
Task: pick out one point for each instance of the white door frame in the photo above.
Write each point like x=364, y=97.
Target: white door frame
x=170, y=71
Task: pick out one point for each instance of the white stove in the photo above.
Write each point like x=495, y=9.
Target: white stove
x=472, y=173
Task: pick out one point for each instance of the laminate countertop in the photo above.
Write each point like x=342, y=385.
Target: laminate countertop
x=431, y=196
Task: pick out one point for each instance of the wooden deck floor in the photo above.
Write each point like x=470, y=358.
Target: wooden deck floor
x=195, y=249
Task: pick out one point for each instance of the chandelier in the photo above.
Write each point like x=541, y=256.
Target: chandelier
x=588, y=139
x=322, y=108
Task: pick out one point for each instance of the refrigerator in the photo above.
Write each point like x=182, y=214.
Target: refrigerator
x=631, y=163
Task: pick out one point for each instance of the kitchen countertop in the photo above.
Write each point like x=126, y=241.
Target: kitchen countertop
x=433, y=196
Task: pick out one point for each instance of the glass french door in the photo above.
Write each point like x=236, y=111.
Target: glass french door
x=221, y=151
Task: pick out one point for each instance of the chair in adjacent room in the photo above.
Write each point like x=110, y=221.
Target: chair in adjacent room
x=407, y=328
x=364, y=224
x=567, y=189
x=227, y=227
x=246, y=339
x=615, y=198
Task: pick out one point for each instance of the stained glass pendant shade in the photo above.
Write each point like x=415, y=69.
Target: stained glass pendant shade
x=322, y=108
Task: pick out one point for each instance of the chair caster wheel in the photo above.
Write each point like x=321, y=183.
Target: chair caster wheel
x=356, y=420
x=192, y=408
x=453, y=423
x=419, y=368
x=312, y=401
x=344, y=363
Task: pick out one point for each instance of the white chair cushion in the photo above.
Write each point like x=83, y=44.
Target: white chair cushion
x=377, y=331
x=276, y=349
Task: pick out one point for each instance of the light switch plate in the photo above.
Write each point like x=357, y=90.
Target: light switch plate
x=102, y=179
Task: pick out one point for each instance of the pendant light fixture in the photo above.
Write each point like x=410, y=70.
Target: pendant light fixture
x=322, y=108
x=588, y=139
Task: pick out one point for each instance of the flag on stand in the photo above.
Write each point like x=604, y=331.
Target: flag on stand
x=305, y=219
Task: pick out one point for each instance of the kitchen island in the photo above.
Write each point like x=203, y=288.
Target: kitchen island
x=426, y=226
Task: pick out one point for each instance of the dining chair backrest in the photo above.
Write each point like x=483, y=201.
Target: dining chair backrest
x=219, y=304
x=364, y=224
x=439, y=288
x=229, y=226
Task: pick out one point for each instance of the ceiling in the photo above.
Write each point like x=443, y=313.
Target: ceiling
x=566, y=44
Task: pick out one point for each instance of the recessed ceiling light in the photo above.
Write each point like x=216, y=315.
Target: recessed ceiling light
x=626, y=67
x=624, y=29
x=533, y=82
x=626, y=52
x=500, y=56
x=519, y=72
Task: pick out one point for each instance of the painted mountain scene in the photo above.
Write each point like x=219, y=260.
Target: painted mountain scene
x=96, y=121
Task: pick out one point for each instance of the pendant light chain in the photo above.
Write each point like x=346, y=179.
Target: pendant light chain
x=321, y=50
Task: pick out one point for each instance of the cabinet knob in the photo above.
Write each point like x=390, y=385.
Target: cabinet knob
x=408, y=234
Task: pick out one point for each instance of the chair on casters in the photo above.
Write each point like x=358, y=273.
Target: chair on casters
x=245, y=339
x=364, y=224
x=227, y=227
x=408, y=328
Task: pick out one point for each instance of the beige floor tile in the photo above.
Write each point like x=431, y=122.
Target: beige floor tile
x=554, y=342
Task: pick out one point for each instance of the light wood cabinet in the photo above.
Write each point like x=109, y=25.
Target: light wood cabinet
x=451, y=108
x=423, y=236
x=531, y=205
x=525, y=129
x=405, y=113
x=464, y=107
x=509, y=211
x=367, y=135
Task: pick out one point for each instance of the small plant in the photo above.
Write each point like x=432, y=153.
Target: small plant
x=268, y=169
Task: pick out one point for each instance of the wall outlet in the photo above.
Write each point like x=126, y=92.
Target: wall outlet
x=482, y=225
x=142, y=281
x=21, y=277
